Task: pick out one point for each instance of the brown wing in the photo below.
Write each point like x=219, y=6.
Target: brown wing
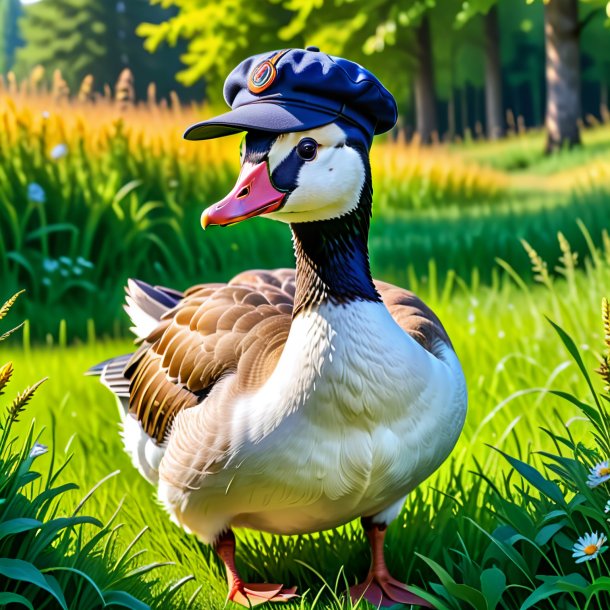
x=216, y=329
x=413, y=315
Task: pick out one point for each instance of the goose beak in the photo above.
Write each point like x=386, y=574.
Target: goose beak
x=254, y=194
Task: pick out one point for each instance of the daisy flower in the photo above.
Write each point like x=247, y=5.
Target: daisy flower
x=588, y=547
x=600, y=473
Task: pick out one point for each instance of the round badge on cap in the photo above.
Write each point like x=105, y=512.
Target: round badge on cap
x=263, y=74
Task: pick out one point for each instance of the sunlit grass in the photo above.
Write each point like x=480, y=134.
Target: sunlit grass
x=511, y=359
x=91, y=194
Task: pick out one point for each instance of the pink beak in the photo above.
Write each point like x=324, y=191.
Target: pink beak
x=251, y=196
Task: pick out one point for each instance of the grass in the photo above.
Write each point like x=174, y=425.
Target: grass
x=511, y=357
x=91, y=195
x=53, y=554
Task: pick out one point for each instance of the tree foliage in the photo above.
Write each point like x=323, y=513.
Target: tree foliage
x=95, y=37
x=9, y=38
x=219, y=34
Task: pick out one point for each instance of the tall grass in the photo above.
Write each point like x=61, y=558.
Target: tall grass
x=94, y=192
x=52, y=554
x=512, y=359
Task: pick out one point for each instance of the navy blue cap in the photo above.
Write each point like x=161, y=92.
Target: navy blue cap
x=296, y=90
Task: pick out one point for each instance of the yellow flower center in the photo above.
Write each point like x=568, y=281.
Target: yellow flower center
x=604, y=471
x=591, y=549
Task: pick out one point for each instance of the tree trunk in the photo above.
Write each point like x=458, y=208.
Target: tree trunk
x=603, y=99
x=493, y=77
x=451, y=115
x=563, y=108
x=425, y=94
x=464, y=109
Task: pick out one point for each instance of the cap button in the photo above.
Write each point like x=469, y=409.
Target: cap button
x=314, y=49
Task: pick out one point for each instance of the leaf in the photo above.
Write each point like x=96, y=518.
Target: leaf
x=493, y=585
x=548, y=531
x=14, y=598
x=54, y=228
x=530, y=474
x=588, y=410
x=572, y=583
x=81, y=574
x=571, y=347
x=120, y=598
x=599, y=584
x=508, y=550
x=17, y=569
x=17, y=526
x=463, y=592
x=52, y=528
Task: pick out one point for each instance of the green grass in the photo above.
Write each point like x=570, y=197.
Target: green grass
x=511, y=357
x=525, y=152
x=126, y=202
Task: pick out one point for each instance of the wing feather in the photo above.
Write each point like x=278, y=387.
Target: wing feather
x=216, y=329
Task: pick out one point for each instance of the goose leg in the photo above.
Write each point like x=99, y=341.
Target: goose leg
x=247, y=594
x=379, y=588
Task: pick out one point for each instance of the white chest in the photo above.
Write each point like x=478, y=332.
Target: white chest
x=354, y=417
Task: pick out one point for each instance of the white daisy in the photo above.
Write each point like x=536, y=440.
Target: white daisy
x=588, y=547
x=600, y=473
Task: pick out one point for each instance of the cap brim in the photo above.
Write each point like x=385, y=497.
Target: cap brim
x=275, y=117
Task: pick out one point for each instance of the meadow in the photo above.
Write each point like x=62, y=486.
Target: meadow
x=115, y=198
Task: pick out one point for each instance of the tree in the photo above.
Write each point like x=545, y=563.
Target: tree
x=493, y=76
x=562, y=43
x=425, y=90
x=9, y=33
x=219, y=34
x=494, y=108
x=96, y=37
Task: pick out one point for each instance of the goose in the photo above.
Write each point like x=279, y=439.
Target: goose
x=292, y=401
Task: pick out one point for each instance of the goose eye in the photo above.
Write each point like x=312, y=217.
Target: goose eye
x=307, y=149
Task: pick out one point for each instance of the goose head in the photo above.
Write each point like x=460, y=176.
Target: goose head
x=297, y=177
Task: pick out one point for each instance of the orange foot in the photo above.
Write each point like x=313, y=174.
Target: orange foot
x=385, y=592
x=253, y=594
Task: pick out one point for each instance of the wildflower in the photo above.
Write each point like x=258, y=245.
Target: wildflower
x=83, y=262
x=588, y=547
x=59, y=151
x=50, y=265
x=600, y=473
x=36, y=193
x=37, y=450
x=607, y=509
